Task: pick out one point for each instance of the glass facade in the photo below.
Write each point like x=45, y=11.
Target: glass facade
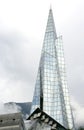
x=51, y=91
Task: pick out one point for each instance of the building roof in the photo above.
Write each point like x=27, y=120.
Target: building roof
x=44, y=117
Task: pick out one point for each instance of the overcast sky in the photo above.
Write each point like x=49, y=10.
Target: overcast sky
x=22, y=28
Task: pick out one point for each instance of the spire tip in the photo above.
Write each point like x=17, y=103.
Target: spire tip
x=50, y=7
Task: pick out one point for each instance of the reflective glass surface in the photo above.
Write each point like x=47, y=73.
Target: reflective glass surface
x=51, y=92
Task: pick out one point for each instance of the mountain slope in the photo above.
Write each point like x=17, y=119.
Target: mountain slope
x=18, y=107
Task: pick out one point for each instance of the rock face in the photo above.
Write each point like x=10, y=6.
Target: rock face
x=18, y=107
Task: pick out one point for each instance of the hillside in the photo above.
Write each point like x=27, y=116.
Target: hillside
x=17, y=107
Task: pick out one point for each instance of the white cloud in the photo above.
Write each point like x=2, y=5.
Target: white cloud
x=78, y=111
x=6, y=109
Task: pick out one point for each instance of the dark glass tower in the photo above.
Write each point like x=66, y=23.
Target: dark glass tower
x=51, y=91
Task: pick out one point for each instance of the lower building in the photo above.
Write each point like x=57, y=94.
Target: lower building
x=13, y=121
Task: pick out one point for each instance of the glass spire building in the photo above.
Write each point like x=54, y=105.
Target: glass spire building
x=51, y=91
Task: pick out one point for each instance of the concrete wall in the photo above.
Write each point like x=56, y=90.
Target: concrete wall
x=12, y=121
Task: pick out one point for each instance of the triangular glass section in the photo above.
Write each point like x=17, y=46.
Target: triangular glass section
x=51, y=92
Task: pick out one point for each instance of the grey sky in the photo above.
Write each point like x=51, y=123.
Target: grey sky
x=22, y=28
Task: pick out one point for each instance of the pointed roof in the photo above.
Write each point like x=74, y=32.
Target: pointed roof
x=50, y=23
